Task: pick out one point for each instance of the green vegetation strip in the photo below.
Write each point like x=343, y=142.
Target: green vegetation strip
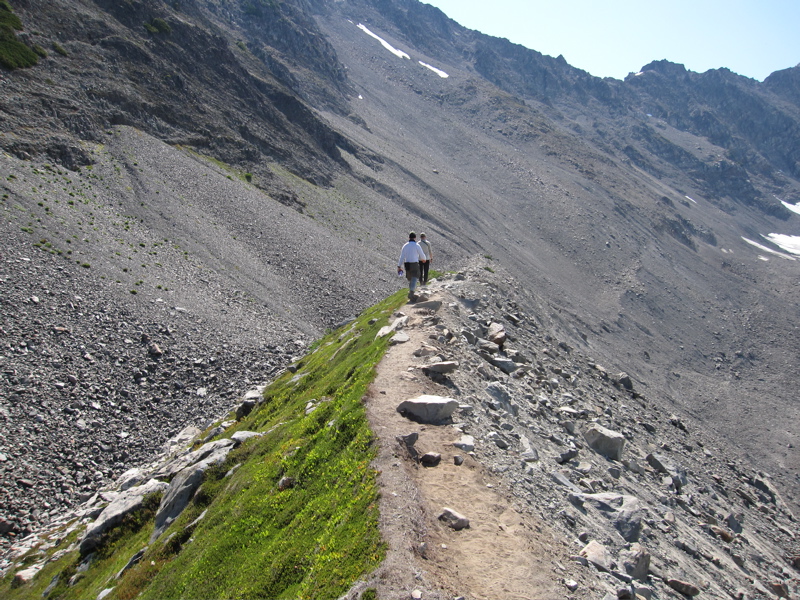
x=311, y=537
x=13, y=53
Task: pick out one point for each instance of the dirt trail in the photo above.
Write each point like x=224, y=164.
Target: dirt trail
x=504, y=554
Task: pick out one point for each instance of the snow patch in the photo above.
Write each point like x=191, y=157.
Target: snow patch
x=770, y=250
x=790, y=243
x=692, y=199
x=439, y=72
x=384, y=43
x=795, y=208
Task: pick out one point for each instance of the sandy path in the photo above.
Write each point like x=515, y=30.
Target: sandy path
x=503, y=555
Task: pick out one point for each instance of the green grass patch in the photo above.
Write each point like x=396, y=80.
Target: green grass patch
x=158, y=25
x=311, y=539
x=13, y=53
x=7, y=16
x=229, y=170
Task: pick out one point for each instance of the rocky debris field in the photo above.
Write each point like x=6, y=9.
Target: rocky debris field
x=651, y=505
x=91, y=386
x=643, y=504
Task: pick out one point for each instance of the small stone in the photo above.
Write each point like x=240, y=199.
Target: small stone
x=454, y=519
x=409, y=439
x=458, y=460
x=498, y=440
x=286, y=483
x=466, y=443
x=605, y=441
x=443, y=367
x=430, y=459
x=566, y=456
x=497, y=334
x=571, y=585
x=682, y=587
x=598, y=555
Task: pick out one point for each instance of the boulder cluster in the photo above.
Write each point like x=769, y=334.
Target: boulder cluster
x=654, y=506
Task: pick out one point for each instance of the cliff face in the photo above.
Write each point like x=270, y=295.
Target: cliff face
x=227, y=80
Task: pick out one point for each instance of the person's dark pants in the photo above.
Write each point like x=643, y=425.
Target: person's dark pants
x=423, y=271
x=412, y=274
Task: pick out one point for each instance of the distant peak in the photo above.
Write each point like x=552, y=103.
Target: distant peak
x=665, y=67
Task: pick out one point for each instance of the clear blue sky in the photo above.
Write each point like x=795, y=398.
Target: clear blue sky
x=612, y=38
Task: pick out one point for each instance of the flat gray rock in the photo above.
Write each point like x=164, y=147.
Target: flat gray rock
x=399, y=338
x=127, y=502
x=466, y=443
x=605, y=441
x=428, y=409
x=183, y=486
x=243, y=436
x=447, y=366
x=181, y=462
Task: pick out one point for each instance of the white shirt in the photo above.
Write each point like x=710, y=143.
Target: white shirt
x=411, y=252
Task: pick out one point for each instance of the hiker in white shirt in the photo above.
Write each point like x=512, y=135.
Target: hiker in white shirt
x=410, y=258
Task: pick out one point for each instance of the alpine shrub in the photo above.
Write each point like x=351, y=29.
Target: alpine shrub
x=13, y=53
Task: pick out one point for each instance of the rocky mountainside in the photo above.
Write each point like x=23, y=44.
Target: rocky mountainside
x=644, y=504
x=227, y=180
x=511, y=465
